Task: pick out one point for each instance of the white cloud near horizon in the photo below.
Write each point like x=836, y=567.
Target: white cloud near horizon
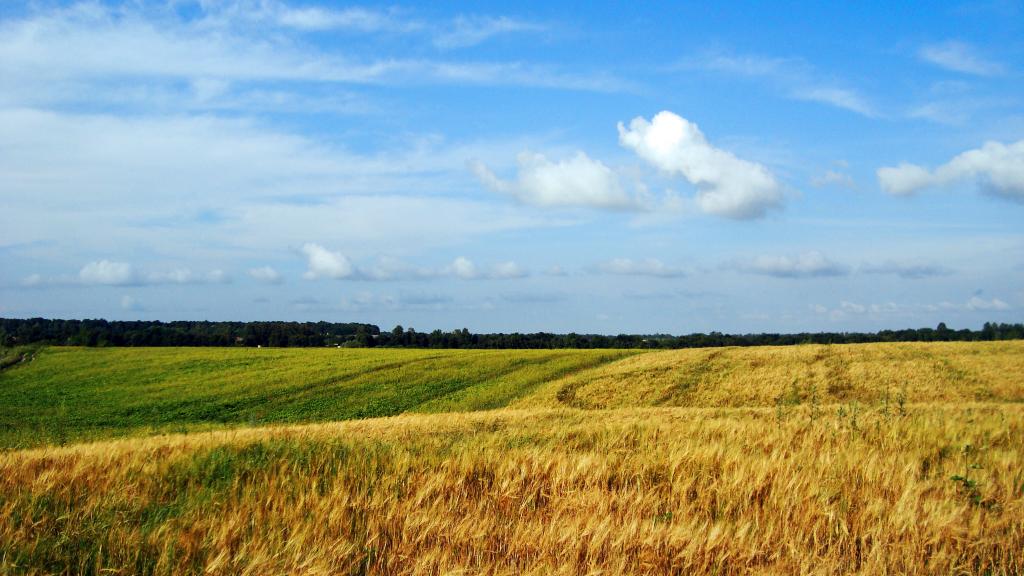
x=807, y=265
x=998, y=168
x=645, y=267
x=906, y=270
x=726, y=185
x=105, y=272
x=978, y=303
x=959, y=57
x=323, y=263
x=465, y=269
x=266, y=274
x=112, y=273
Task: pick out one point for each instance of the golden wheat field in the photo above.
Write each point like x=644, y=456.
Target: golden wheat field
x=861, y=459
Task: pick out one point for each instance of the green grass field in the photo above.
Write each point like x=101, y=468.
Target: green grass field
x=64, y=395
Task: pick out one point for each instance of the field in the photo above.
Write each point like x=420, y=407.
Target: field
x=871, y=459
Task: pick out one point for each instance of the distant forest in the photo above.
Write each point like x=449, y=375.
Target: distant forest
x=17, y=332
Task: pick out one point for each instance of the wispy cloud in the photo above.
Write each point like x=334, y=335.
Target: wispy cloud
x=959, y=57
x=793, y=77
x=833, y=178
x=266, y=274
x=645, y=267
x=808, y=265
x=467, y=31
x=87, y=50
x=907, y=270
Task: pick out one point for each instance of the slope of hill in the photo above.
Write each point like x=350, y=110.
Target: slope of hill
x=869, y=459
x=938, y=490
x=822, y=374
x=66, y=394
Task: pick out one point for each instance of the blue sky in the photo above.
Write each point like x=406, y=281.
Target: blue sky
x=733, y=167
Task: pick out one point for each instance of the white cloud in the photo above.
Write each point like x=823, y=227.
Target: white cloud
x=908, y=270
x=794, y=77
x=852, y=307
x=130, y=303
x=833, y=178
x=32, y=280
x=645, y=267
x=807, y=265
x=838, y=97
x=976, y=303
x=998, y=168
x=391, y=268
x=312, y=18
x=186, y=276
x=70, y=174
x=726, y=185
x=904, y=179
x=109, y=273
x=847, y=308
x=466, y=269
x=508, y=270
x=72, y=54
x=470, y=31
x=959, y=57
x=577, y=181
x=322, y=263
x=266, y=274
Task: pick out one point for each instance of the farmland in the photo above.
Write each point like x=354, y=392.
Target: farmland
x=898, y=458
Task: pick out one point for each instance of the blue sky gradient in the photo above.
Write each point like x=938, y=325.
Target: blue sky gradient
x=734, y=167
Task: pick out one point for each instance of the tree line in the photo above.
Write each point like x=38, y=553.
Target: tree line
x=16, y=332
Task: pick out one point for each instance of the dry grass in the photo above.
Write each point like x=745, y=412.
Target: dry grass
x=764, y=376
x=670, y=490
x=859, y=486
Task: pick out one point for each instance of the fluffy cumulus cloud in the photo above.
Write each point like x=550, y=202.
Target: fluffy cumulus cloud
x=645, y=267
x=508, y=270
x=111, y=273
x=576, y=181
x=323, y=263
x=105, y=272
x=808, y=265
x=187, y=276
x=466, y=269
x=726, y=185
x=463, y=267
x=997, y=167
